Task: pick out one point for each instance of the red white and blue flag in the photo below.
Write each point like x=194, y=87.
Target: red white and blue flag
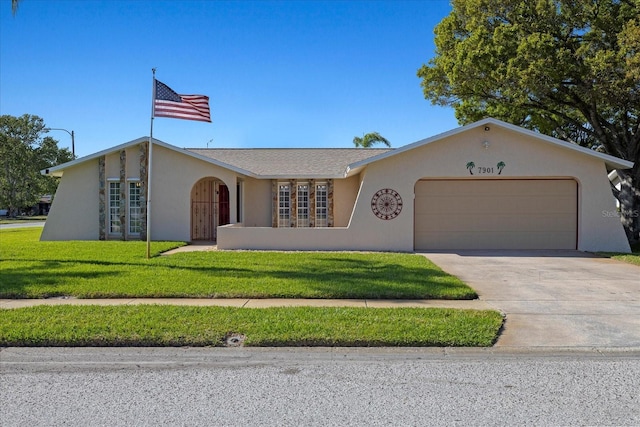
x=167, y=103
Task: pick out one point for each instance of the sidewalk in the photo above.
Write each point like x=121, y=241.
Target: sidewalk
x=253, y=303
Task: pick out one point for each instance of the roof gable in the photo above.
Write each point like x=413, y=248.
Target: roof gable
x=611, y=161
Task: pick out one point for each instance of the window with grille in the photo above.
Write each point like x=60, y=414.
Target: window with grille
x=284, y=205
x=135, y=211
x=303, y=205
x=114, y=207
x=321, y=205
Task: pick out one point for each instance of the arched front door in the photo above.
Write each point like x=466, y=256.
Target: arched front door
x=209, y=208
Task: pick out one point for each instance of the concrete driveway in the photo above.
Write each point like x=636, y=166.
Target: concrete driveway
x=554, y=298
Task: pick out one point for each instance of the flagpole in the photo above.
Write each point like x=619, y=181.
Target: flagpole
x=149, y=168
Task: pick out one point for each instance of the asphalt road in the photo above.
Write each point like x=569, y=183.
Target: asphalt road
x=323, y=387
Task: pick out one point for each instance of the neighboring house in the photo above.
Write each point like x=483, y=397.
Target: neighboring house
x=43, y=206
x=487, y=185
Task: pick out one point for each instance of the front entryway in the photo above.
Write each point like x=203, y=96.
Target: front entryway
x=209, y=208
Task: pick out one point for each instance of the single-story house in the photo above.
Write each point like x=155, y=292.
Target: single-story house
x=486, y=185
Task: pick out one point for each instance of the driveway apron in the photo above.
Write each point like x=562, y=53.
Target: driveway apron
x=554, y=298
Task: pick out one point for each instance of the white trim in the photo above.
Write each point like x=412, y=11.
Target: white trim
x=59, y=170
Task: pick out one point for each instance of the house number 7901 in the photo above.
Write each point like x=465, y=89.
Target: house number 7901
x=480, y=170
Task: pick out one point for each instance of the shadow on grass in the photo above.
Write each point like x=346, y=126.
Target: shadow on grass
x=20, y=281
x=323, y=276
x=382, y=282
x=15, y=281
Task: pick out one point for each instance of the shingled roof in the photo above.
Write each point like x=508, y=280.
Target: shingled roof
x=291, y=162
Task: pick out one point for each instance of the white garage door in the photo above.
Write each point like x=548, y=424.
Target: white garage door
x=495, y=214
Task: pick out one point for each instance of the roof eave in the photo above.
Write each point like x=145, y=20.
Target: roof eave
x=301, y=177
x=59, y=170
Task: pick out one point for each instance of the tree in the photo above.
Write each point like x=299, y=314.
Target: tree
x=23, y=153
x=565, y=68
x=369, y=139
x=14, y=6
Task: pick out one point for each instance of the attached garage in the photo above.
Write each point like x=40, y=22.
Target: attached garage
x=496, y=214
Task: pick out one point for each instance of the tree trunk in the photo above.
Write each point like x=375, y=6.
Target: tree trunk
x=629, y=198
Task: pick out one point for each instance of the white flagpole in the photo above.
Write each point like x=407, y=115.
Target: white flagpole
x=149, y=168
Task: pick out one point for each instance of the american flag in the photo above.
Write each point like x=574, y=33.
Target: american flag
x=168, y=103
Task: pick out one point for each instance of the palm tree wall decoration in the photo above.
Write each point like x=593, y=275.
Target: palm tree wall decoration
x=470, y=166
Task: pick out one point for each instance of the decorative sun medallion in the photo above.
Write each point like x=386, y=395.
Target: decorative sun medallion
x=386, y=204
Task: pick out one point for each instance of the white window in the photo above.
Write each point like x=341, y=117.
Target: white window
x=135, y=211
x=114, y=207
x=284, y=205
x=321, y=205
x=303, y=205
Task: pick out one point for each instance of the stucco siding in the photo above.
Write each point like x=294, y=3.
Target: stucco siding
x=523, y=157
x=599, y=223
x=257, y=202
x=133, y=162
x=74, y=212
x=112, y=167
x=315, y=239
x=173, y=177
x=345, y=192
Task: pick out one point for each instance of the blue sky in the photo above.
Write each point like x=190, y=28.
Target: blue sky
x=278, y=73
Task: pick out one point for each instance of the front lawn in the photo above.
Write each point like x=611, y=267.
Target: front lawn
x=92, y=269
x=218, y=326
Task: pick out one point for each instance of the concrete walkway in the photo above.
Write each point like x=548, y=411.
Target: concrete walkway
x=192, y=247
x=251, y=303
x=554, y=298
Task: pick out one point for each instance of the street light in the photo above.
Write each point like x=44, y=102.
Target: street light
x=73, y=142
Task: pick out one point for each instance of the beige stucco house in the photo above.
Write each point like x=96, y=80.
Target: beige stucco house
x=487, y=185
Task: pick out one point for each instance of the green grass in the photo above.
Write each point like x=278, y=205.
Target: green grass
x=208, y=326
x=632, y=258
x=93, y=269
